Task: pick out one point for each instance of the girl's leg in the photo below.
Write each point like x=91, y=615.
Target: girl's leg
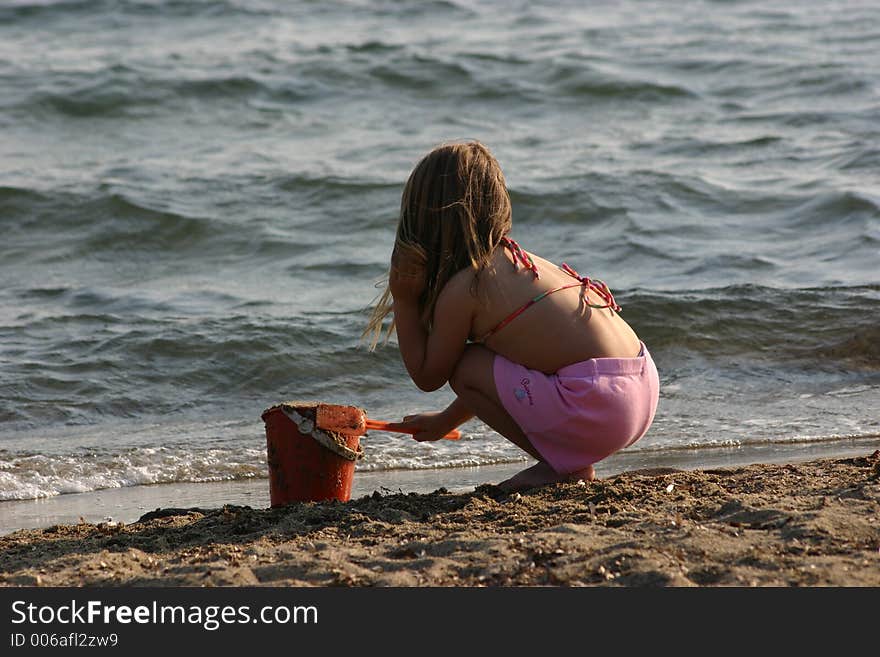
x=474, y=383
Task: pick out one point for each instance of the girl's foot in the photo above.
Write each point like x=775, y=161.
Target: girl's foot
x=542, y=474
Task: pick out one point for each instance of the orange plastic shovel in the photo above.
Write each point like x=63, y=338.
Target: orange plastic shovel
x=353, y=421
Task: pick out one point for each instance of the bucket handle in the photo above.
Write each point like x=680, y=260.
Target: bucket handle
x=307, y=427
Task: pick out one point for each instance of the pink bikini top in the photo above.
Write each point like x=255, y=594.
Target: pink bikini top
x=521, y=258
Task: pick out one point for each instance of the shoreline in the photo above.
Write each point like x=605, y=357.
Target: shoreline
x=127, y=504
x=809, y=523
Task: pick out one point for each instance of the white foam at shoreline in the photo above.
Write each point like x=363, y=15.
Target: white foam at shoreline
x=128, y=504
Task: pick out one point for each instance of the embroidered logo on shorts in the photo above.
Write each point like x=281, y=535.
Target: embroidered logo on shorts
x=523, y=392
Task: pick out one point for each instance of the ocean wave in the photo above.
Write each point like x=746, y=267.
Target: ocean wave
x=422, y=9
x=121, y=92
x=332, y=187
x=120, y=224
x=693, y=147
x=127, y=364
x=419, y=73
x=127, y=217
x=64, y=225
x=732, y=261
x=647, y=197
x=34, y=476
x=731, y=65
x=666, y=196
x=859, y=348
x=816, y=328
x=589, y=200
x=127, y=88
x=67, y=9
x=131, y=89
x=832, y=210
x=15, y=198
x=9, y=11
x=578, y=81
x=796, y=118
x=114, y=92
x=857, y=157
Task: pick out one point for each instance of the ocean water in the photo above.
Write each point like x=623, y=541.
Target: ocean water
x=198, y=199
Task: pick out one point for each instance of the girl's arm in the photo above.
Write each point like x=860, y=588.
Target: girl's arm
x=433, y=426
x=430, y=358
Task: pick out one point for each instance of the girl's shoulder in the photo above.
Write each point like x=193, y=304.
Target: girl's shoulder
x=469, y=283
x=455, y=299
x=460, y=284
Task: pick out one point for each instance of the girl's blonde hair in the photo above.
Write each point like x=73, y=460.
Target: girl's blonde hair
x=454, y=211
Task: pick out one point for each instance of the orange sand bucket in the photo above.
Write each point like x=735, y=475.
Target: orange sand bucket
x=307, y=464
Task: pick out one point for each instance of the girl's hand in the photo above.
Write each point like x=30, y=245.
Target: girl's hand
x=430, y=426
x=407, y=277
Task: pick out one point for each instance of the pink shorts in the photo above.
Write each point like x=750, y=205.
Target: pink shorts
x=584, y=412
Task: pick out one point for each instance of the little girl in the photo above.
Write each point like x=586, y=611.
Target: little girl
x=537, y=352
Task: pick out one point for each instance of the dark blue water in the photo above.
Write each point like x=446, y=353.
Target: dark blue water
x=198, y=198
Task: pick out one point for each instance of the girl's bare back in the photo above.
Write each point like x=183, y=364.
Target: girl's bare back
x=558, y=330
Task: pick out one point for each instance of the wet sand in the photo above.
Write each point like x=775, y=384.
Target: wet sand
x=813, y=523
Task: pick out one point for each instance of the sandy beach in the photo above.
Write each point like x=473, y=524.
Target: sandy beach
x=813, y=523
